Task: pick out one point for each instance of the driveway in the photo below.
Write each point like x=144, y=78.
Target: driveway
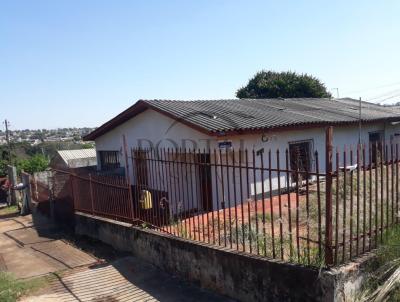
x=30, y=250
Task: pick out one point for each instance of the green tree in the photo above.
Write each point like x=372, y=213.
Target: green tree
x=36, y=163
x=77, y=138
x=270, y=84
x=87, y=146
x=3, y=167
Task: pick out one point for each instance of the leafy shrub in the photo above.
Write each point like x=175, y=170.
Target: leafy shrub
x=36, y=163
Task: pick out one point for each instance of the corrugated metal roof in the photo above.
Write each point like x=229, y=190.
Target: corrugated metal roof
x=68, y=155
x=241, y=115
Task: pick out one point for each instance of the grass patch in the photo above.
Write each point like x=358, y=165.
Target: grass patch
x=390, y=249
x=12, y=289
x=9, y=210
x=384, y=275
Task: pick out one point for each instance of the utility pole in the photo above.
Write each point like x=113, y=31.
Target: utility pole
x=7, y=124
x=337, y=92
x=359, y=122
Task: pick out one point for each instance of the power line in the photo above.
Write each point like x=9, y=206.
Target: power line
x=373, y=88
x=337, y=92
x=386, y=94
x=390, y=97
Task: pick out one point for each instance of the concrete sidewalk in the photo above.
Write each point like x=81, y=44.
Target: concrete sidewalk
x=126, y=279
x=28, y=250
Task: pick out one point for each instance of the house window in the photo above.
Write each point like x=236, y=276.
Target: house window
x=109, y=160
x=300, y=156
x=375, y=140
x=141, y=168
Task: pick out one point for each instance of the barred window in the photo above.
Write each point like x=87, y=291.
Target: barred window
x=376, y=142
x=300, y=157
x=109, y=160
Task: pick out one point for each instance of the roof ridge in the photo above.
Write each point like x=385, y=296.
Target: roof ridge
x=268, y=113
x=240, y=99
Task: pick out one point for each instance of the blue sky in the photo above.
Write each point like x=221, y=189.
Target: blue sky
x=79, y=63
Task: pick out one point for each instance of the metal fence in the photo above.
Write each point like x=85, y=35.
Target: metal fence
x=282, y=205
x=107, y=196
x=245, y=200
x=256, y=202
x=365, y=198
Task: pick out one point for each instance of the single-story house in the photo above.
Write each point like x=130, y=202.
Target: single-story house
x=297, y=125
x=74, y=159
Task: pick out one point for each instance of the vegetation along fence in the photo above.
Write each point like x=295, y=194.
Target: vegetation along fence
x=284, y=205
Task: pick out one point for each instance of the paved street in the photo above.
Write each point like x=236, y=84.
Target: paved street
x=30, y=249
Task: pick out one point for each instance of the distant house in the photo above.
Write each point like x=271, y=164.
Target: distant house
x=296, y=125
x=74, y=159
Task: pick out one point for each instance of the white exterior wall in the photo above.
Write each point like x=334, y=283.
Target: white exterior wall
x=149, y=126
x=152, y=128
x=343, y=137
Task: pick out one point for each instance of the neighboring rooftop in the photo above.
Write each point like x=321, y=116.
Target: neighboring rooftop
x=243, y=115
x=76, y=158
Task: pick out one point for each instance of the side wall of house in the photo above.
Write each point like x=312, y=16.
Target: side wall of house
x=152, y=129
x=344, y=137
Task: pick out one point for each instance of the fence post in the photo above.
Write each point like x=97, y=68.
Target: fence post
x=91, y=193
x=26, y=201
x=130, y=200
x=71, y=182
x=50, y=186
x=127, y=176
x=12, y=177
x=328, y=198
x=35, y=192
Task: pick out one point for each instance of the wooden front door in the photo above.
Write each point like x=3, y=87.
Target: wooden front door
x=205, y=182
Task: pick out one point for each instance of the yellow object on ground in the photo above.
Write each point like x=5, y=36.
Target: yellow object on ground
x=146, y=200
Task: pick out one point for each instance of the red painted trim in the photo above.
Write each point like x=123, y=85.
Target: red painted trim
x=124, y=116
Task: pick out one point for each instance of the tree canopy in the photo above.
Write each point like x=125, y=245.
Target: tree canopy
x=36, y=163
x=270, y=84
x=3, y=167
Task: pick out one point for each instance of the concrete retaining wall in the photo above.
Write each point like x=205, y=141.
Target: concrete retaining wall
x=240, y=276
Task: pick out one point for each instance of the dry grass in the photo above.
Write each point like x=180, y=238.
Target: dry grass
x=383, y=283
x=364, y=203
